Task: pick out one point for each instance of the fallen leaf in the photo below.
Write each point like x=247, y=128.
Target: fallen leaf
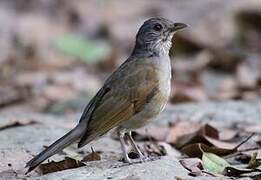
x=195, y=149
x=220, y=144
x=67, y=163
x=194, y=165
x=181, y=128
x=213, y=163
x=93, y=156
x=198, y=137
x=227, y=134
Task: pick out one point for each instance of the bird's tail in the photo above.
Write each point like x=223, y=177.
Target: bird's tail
x=56, y=147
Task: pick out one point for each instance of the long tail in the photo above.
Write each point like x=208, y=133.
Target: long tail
x=56, y=147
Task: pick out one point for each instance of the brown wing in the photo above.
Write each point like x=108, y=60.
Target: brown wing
x=126, y=97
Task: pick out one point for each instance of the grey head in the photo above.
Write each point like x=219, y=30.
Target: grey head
x=154, y=37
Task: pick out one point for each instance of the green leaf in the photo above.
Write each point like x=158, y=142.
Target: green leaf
x=214, y=163
x=86, y=50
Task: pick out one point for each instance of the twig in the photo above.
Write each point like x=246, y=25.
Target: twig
x=244, y=141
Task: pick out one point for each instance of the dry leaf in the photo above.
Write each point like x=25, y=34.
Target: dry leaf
x=198, y=137
x=68, y=163
x=194, y=165
x=93, y=156
x=195, y=150
x=181, y=128
x=227, y=134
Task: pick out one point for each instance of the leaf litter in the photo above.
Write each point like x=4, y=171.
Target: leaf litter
x=69, y=162
x=218, y=148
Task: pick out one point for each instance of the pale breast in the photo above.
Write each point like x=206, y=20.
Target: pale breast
x=158, y=101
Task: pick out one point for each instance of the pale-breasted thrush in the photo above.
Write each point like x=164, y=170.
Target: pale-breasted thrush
x=132, y=96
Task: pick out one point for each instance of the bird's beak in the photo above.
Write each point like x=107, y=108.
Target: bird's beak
x=178, y=26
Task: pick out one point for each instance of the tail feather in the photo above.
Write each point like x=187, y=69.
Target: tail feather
x=56, y=147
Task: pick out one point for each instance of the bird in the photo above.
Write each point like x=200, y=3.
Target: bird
x=133, y=95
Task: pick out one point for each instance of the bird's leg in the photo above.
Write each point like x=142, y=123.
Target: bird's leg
x=123, y=146
x=134, y=145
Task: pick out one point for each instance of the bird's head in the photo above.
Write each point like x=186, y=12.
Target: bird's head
x=155, y=35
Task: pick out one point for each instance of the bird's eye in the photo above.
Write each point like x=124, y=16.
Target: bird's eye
x=157, y=27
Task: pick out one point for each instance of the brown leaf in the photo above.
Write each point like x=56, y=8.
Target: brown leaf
x=194, y=165
x=227, y=134
x=193, y=150
x=181, y=128
x=68, y=163
x=93, y=156
x=198, y=136
x=220, y=144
